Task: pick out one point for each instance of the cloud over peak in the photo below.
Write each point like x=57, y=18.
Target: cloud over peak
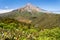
x=5, y=10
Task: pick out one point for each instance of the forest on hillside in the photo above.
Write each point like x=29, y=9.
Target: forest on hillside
x=11, y=29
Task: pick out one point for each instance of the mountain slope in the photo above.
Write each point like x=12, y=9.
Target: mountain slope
x=32, y=15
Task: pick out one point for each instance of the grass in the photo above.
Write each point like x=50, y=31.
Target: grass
x=20, y=31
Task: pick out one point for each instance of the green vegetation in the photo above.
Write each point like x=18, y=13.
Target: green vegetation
x=25, y=25
x=13, y=30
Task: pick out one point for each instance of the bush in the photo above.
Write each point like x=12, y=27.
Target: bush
x=23, y=32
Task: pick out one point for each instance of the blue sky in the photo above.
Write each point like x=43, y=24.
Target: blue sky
x=50, y=5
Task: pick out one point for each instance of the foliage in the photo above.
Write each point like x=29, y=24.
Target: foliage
x=23, y=32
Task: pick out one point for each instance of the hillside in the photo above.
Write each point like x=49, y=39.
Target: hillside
x=34, y=16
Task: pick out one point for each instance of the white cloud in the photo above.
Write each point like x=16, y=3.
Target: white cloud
x=4, y=11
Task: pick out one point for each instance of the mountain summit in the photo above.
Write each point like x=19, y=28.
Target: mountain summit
x=31, y=8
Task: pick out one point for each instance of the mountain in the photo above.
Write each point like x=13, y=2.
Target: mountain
x=31, y=8
x=33, y=15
